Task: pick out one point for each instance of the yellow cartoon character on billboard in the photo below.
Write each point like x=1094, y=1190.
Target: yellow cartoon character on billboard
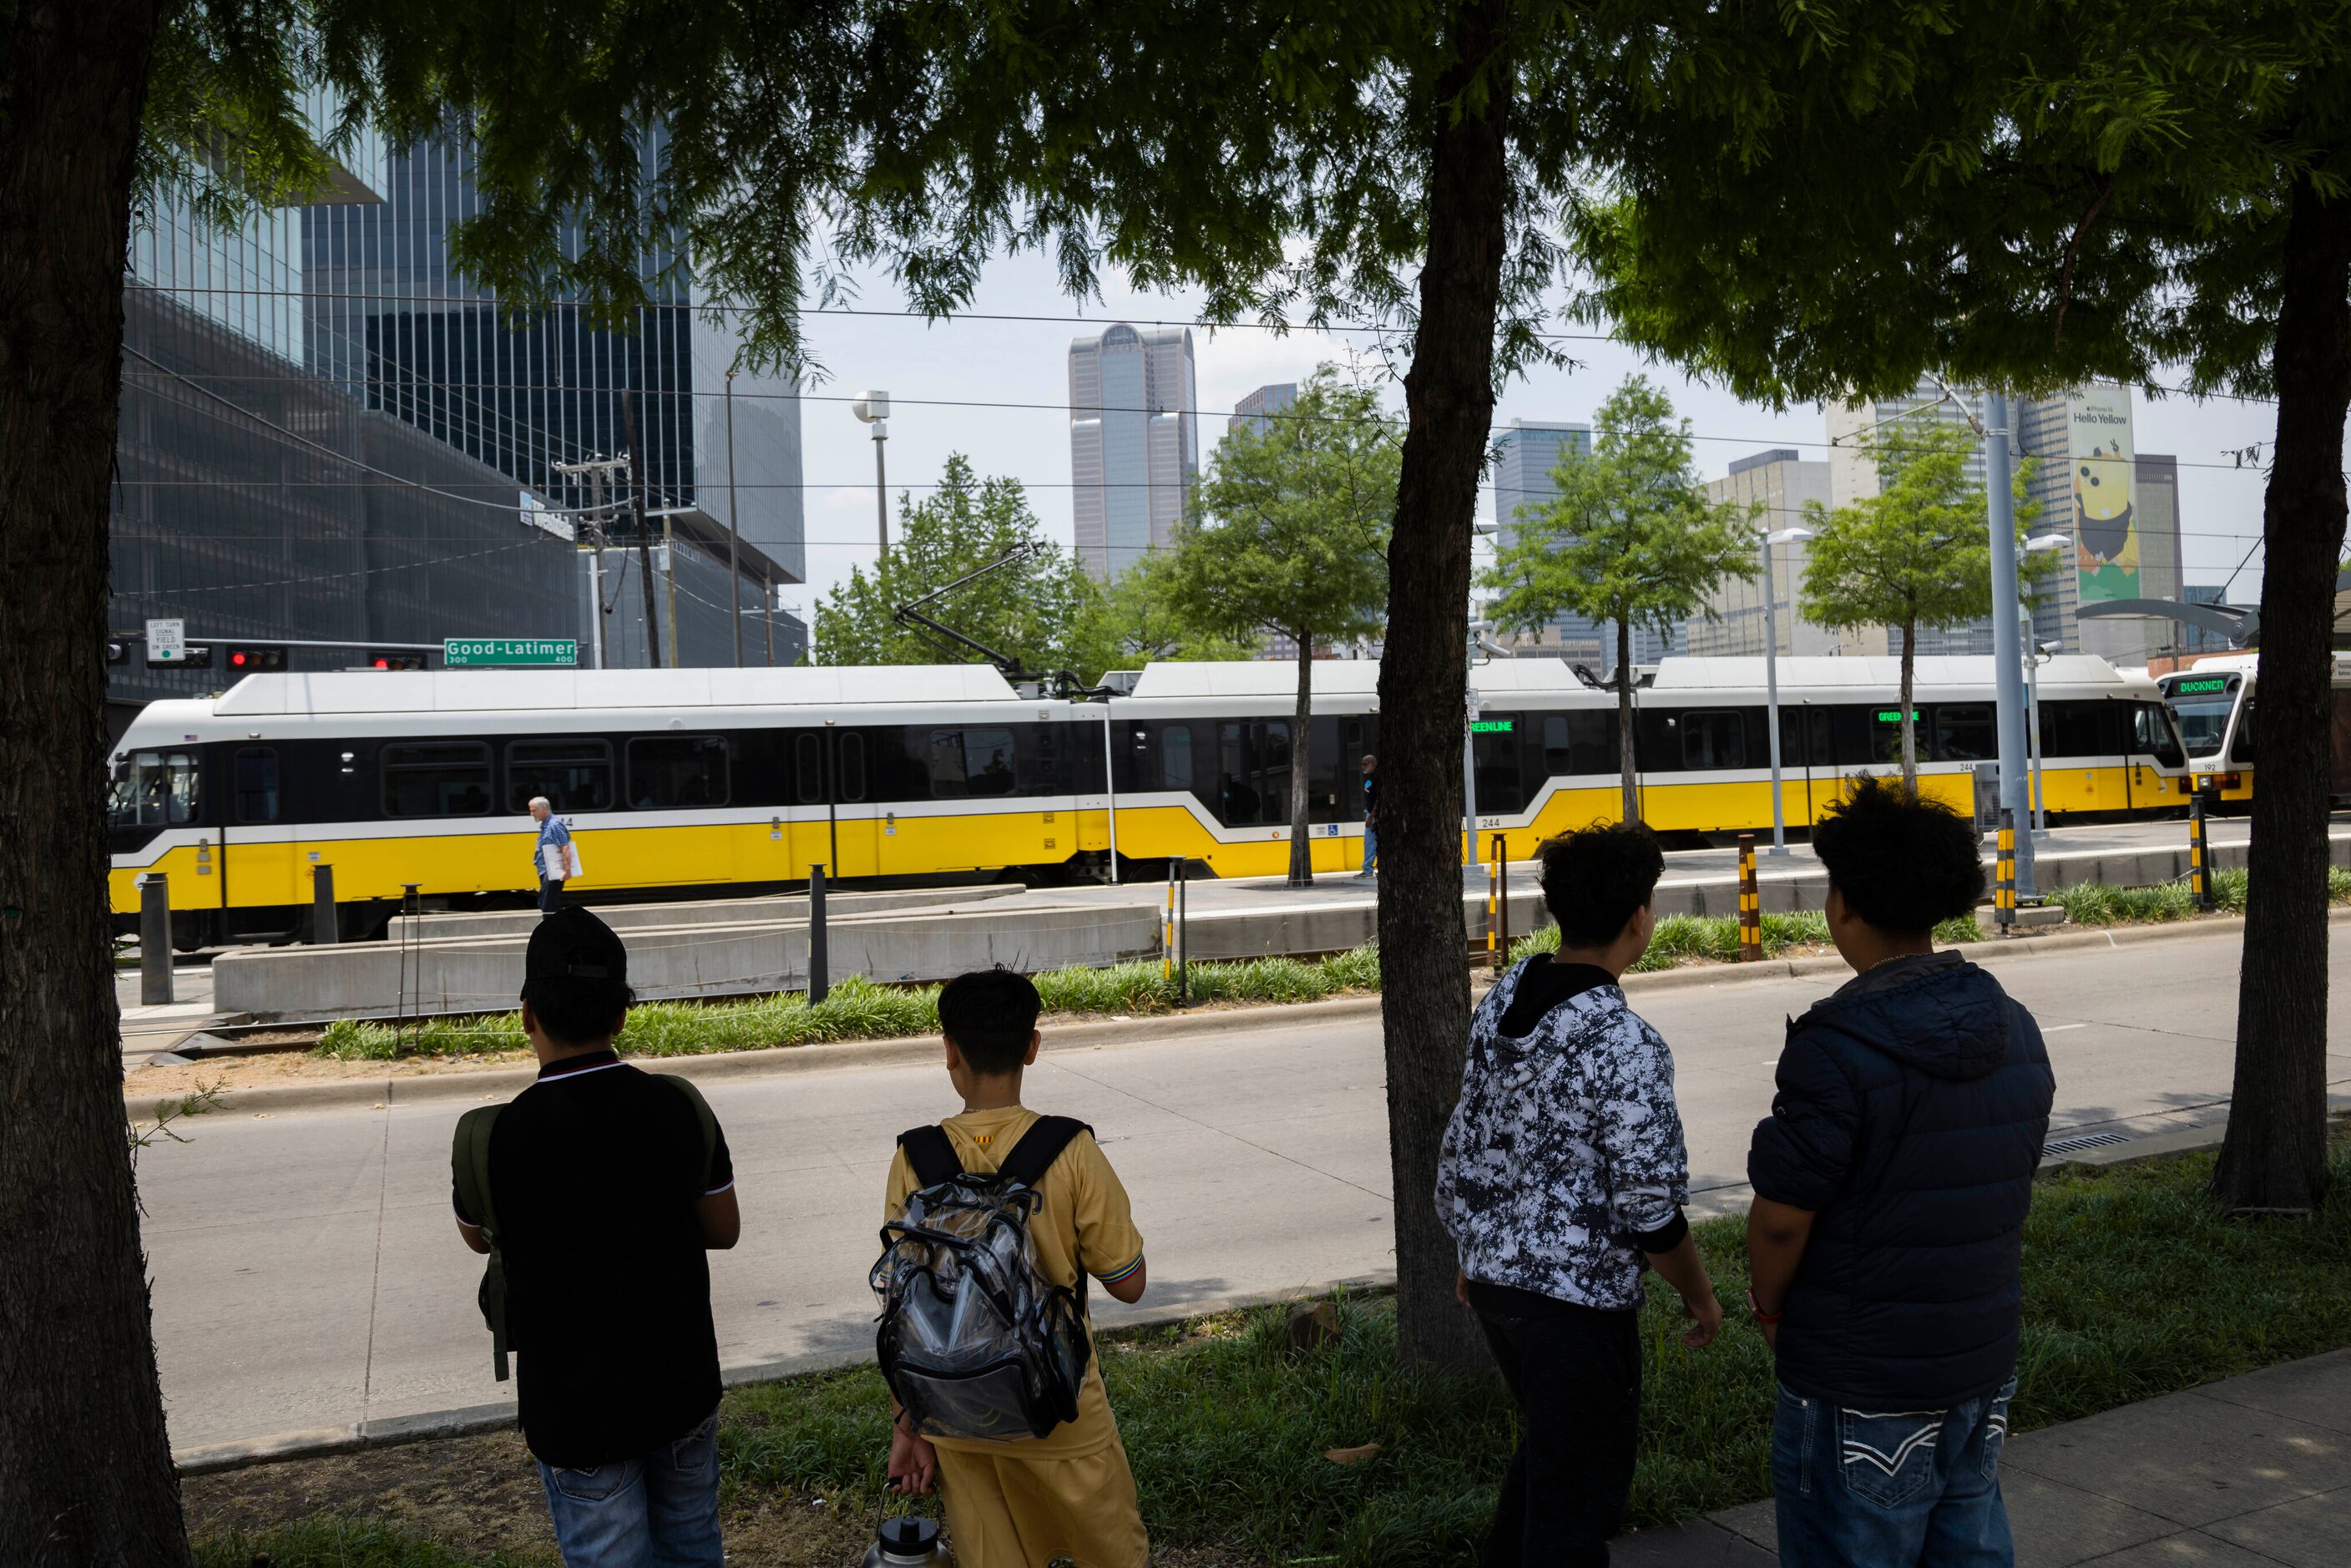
x=2104, y=526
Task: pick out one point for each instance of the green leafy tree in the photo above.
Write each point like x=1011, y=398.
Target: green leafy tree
x=2046, y=195
x=1630, y=538
x=1132, y=620
x=1291, y=538
x=1028, y=611
x=1915, y=557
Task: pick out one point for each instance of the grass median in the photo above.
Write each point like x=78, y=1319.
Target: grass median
x=2135, y=1285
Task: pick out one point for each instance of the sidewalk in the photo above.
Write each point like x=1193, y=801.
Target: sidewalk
x=2248, y=1471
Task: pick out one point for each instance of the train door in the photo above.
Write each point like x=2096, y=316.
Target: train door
x=833, y=822
x=258, y=878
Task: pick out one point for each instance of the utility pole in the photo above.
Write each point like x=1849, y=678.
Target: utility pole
x=768, y=610
x=668, y=576
x=734, y=533
x=595, y=470
x=644, y=534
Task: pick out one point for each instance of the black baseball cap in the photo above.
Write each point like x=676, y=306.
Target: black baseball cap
x=572, y=944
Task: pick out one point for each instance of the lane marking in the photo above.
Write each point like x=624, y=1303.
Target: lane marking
x=2061, y=1028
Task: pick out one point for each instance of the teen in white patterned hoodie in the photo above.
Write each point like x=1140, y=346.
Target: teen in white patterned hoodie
x=1563, y=1178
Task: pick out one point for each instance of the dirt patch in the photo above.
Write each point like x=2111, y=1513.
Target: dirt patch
x=478, y=1495
x=143, y=1083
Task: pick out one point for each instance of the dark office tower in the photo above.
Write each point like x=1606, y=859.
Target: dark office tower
x=403, y=331
x=257, y=503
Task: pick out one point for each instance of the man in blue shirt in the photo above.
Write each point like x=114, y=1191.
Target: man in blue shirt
x=552, y=833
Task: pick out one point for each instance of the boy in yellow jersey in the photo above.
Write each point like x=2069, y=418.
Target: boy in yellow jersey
x=1026, y=1502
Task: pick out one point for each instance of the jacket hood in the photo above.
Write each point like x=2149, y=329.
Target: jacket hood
x=1937, y=1013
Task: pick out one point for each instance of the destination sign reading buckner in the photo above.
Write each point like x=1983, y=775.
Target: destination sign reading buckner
x=457, y=652
x=2199, y=687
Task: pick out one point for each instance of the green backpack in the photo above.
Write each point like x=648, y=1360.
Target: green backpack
x=469, y=1165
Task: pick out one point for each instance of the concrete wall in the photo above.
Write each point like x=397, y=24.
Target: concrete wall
x=384, y=979
x=782, y=906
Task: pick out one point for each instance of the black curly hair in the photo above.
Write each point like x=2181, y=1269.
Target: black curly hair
x=1592, y=880
x=1905, y=863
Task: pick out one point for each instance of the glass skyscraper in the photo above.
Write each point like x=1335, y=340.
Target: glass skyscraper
x=1134, y=443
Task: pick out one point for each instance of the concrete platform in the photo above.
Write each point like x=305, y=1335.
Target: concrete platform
x=783, y=907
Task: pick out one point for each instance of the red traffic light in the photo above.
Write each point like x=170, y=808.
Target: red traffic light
x=396, y=660
x=254, y=657
x=236, y=657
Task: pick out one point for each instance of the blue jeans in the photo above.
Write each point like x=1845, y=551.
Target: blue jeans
x=1371, y=848
x=1870, y=1489
x=659, y=1510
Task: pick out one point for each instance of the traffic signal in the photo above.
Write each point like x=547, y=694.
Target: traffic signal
x=397, y=661
x=251, y=658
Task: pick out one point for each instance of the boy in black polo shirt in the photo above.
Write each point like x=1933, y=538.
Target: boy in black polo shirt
x=607, y=1184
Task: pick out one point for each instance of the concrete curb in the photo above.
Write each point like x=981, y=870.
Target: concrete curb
x=494, y=1084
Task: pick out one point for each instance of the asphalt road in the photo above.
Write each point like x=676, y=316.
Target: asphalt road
x=307, y=1275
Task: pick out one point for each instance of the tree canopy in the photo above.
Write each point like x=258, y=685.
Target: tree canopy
x=1628, y=538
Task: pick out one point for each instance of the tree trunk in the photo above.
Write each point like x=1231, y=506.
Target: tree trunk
x=1424, y=676
x=2275, y=1153
x=84, y=1466
x=1301, y=756
x=1909, y=713
x=1629, y=776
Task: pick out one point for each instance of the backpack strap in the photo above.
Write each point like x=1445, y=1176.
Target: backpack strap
x=931, y=1154
x=469, y=1169
x=1038, y=1147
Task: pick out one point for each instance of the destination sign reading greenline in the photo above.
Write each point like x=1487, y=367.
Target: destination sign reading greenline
x=1894, y=715
x=2200, y=688
x=1489, y=726
x=458, y=652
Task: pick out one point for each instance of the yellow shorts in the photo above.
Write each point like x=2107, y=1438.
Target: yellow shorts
x=1005, y=1512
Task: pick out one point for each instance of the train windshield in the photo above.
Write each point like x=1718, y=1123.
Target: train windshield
x=2203, y=721
x=153, y=790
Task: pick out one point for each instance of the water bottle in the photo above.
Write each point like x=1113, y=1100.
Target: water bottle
x=907, y=1541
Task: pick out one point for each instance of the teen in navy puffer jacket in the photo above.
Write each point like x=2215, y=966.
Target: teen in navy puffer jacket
x=1892, y=1181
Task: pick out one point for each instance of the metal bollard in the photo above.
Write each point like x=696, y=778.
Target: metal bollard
x=1167, y=927
x=1183, y=937
x=1493, y=921
x=1503, y=872
x=2199, y=858
x=2004, y=894
x=1750, y=905
x=326, y=929
x=155, y=941
x=819, y=977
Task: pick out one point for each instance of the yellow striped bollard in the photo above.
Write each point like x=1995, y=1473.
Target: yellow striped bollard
x=2200, y=856
x=1750, y=907
x=1493, y=913
x=1167, y=930
x=2004, y=894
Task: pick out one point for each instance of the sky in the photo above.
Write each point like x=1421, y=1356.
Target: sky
x=938, y=375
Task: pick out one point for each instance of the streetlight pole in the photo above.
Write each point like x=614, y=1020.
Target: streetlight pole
x=733, y=529
x=2033, y=654
x=2007, y=645
x=873, y=408
x=1771, y=677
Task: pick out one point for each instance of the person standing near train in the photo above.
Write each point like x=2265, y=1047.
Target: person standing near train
x=552, y=856
x=1370, y=817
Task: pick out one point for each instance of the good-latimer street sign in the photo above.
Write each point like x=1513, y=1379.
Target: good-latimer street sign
x=458, y=652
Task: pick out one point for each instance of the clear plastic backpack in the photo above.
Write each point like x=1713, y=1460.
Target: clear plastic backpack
x=973, y=1339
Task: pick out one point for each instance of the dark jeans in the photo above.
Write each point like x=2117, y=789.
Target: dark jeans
x=550, y=895
x=1891, y=1488
x=1575, y=1374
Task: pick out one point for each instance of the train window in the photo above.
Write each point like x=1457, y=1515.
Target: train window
x=437, y=779
x=2074, y=730
x=1579, y=742
x=574, y=775
x=1964, y=732
x=667, y=772
x=2152, y=734
x=155, y=790
x=256, y=785
x=2240, y=748
x=1494, y=752
x=808, y=769
x=971, y=762
x=1253, y=773
x=1175, y=756
x=1712, y=740
x=2204, y=712
x=853, y=768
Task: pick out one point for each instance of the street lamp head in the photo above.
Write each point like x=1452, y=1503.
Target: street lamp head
x=1789, y=535
x=873, y=407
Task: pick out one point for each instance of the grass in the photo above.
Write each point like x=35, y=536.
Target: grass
x=2135, y=1285
x=329, y=1542
x=1681, y=938
x=2095, y=905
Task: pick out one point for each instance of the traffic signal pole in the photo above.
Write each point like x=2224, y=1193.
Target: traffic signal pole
x=2007, y=636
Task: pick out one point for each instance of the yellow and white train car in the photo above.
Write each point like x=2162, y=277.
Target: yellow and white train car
x=2215, y=700
x=681, y=783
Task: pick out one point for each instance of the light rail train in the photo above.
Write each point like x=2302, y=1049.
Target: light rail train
x=679, y=783
x=2214, y=700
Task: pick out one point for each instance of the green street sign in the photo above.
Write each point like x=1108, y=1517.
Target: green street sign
x=459, y=652
x=1490, y=727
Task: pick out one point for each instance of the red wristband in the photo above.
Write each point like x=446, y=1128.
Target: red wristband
x=1756, y=1307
